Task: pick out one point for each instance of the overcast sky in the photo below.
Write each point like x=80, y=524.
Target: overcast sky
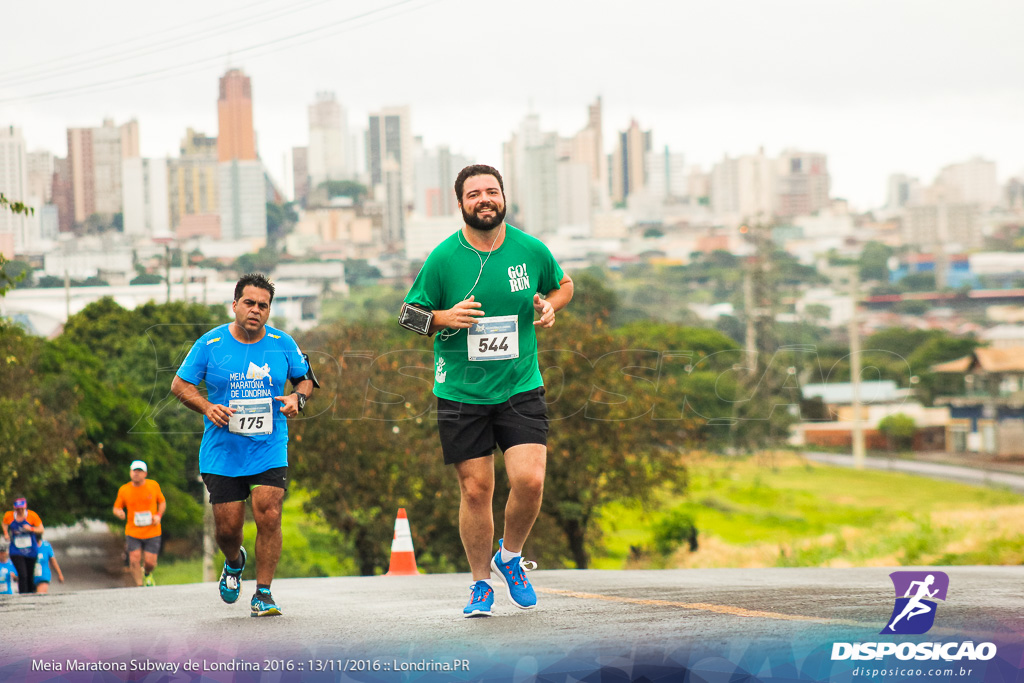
x=881, y=86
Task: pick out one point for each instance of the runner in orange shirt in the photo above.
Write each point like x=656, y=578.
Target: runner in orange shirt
x=142, y=504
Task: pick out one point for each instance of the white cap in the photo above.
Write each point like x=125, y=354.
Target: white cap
x=139, y=465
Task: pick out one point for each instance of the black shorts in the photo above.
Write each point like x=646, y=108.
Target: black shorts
x=146, y=545
x=233, y=489
x=471, y=430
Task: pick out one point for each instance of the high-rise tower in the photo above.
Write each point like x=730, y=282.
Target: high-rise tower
x=242, y=188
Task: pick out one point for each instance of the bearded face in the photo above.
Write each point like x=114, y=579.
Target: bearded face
x=483, y=203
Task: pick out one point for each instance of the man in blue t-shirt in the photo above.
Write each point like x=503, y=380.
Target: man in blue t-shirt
x=244, y=452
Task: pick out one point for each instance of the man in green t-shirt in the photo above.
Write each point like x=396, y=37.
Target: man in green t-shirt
x=480, y=290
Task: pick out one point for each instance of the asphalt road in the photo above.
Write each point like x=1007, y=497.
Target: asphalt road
x=978, y=476
x=406, y=616
x=699, y=625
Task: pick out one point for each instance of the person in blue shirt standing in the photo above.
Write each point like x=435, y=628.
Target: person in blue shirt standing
x=246, y=365
x=8, y=574
x=44, y=561
x=23, y=528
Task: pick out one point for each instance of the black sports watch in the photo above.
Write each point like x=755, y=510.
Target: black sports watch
x=302, y=400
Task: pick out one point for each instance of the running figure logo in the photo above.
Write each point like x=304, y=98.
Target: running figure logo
x=256, y=372
x=914, y=612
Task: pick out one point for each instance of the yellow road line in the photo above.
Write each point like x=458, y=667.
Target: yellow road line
x=706, y=607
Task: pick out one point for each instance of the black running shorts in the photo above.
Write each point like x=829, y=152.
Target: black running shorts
x=232, y=489
x=471, y=430
x=146, y=545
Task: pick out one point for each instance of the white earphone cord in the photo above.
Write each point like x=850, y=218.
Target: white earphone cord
x=446, y=334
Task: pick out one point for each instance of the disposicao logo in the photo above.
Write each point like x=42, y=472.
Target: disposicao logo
x=916, y=592
x=914, y=614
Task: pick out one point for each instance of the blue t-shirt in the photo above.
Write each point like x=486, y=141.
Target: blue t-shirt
x=23, y=542
x=7, y=574
x=42, y=571
x=248, y=376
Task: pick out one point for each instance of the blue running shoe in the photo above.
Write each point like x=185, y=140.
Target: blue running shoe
x=231, y=580
x=263, y=604
x=481, y=598
x=513, y=575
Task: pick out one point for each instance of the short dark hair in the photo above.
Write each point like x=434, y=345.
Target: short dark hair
x=256, y=280
x=475, y=170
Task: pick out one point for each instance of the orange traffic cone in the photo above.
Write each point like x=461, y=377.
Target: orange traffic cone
x=403, y=562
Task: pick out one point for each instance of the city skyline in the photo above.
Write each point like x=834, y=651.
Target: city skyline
x=880, y=89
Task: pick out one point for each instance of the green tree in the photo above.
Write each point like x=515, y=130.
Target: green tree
x=899, y=430
x=917, y=282
x=367, y=445
x=874, y=261
x=50, y=281
x=123, y=362
x=343, y=188
x=263, y=261
x=146, y=279
x=359, y=271
x=41, y=435
x=281, y=218
x=818, y=312
x=7, y=280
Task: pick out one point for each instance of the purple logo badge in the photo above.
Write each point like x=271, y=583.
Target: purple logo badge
x=916, y=592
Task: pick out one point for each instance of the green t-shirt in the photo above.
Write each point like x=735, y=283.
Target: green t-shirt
x=514, y=272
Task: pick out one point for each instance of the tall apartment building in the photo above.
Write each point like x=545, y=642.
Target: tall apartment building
x=901, y=190
x=236, y=137
x=435, y=180
x=666, y=174
x=193, y=187
x=390, y=137
x=803, y=183
x=974, y=182
x=146, y=198
x=588, y=148
x=942, y=225
x=40, y=176
x=328, y=141
x=744, y=189
x=530, y=176
x=300, y=174
x=14, y=186
x=241, y=185
x=62, y=195
x=628, y=164
x=389, y=152
x=95, y=158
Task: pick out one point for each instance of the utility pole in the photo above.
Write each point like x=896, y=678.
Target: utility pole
x=184, y=274
x=167, y=271
x=208, y=544
x=67, y=295
x=855, y=370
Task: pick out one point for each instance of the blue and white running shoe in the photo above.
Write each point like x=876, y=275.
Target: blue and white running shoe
x=231, y=580
x=513, y=575
x=481, y=599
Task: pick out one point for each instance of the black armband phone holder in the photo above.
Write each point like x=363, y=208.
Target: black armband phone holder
x=309, y=375
x=416, y=318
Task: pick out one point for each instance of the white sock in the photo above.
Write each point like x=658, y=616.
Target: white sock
x=487, y=581
x=507, y=555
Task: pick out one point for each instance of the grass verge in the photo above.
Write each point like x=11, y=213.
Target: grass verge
x=780, y=510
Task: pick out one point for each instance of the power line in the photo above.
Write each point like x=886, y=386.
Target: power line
x=76, y=56
x=202, y=62
x=135, y=53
